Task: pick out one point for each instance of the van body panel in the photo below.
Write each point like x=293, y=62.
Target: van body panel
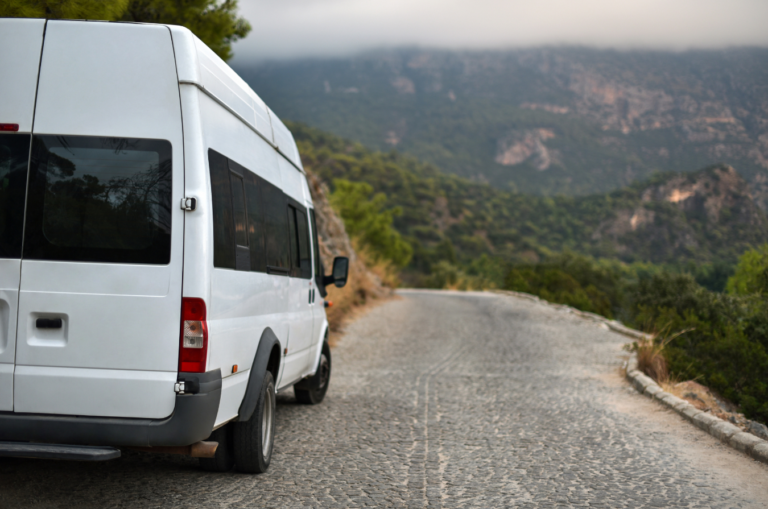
x=243, y=305
x=284, y=141
x=93, y=74
x=102, y=326
x=6, y=387
x=198, y=231
x=199, y=65
x=9, y=301
x=22, y=41
x=119, y=320
x=232, y=392
x=94, y=392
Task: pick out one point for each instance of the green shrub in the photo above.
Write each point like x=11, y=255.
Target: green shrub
x=369, y=223
x=725, y=345
x=751, y=274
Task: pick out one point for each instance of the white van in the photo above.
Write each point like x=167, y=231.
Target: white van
x=159, y=268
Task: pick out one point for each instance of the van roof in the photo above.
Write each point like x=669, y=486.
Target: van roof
x=198, y=65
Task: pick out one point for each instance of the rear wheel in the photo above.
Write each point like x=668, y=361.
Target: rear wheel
x=254, y=438
x=312, y=390
x=224, y=459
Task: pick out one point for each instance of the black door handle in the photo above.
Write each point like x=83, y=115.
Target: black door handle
x=48, y=323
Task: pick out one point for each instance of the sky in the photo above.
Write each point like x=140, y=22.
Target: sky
x=284, y=29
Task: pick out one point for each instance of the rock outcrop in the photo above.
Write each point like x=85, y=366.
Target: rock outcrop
x=333, y=240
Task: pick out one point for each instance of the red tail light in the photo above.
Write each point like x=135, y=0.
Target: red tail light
x=9, y=127
x=193, y=347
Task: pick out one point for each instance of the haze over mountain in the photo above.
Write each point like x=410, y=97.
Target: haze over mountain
x=548, y=120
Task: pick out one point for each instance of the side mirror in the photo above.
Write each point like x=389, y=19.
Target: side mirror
x=340, y=272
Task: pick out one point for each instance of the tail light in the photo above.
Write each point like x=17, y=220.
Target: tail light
x=193, y=350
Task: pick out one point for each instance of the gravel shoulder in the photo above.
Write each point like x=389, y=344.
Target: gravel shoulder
x=444, y=399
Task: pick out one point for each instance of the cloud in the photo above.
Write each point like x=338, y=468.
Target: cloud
x=306, y=28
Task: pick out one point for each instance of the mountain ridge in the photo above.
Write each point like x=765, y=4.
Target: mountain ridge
x=706, y=216
x=543, y=121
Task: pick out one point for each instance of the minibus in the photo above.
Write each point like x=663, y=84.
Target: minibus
x=159, y=271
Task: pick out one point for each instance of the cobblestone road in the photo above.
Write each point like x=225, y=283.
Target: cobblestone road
x=443, y=400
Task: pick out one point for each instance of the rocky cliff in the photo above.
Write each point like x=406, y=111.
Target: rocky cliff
x=363, y=284
x=685, y=214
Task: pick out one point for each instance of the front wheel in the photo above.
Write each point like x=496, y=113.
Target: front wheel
x=311, y=391
x=254, y=438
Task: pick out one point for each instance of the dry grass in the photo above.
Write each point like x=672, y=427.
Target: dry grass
x=364, y=287
x=650, y=354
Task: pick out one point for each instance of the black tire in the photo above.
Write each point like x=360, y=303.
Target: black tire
x=254, y=439
x=225, y=458
x=312, y=390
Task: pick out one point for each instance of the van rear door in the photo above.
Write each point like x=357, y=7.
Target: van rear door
x=100, y=293
x=20, y=43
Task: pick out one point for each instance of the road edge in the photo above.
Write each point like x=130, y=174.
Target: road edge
x=751, y=445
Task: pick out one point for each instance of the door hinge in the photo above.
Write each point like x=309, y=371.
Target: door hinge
x=188, y=203
x=179, y=387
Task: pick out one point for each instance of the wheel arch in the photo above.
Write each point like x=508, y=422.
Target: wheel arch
x=267, y=358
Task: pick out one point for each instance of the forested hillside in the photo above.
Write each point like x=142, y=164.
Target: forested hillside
x=571, y=121
x=706, y=216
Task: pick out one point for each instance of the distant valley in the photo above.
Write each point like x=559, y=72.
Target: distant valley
x=557, y=121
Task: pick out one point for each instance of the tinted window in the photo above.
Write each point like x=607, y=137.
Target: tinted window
x=100, y=200
x=295, y=260
x=223, y=217
x=255, y=222
x=276, y=227
x=14, y=159
x=238, y=209
x=304, y=253
x=316, y=248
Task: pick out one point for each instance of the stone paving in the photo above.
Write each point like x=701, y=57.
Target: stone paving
x=437, y=399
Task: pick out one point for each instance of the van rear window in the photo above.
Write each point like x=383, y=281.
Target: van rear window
x=99, y=200
x=14, y=159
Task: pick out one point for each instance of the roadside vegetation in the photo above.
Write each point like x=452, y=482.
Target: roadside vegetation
x=719, y=339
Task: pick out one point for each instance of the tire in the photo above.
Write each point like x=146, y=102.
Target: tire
x=254, y=439
x=224, y=459
x=312, y=390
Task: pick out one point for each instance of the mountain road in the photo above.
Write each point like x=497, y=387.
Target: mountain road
x=443, y=399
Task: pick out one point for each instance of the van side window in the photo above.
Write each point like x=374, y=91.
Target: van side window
x=301, y=263
x=295, y=260
x=304, y=253
x=242, y=252
x=255, y=221
x=223, y=218
x=318, y=262
x=99, y=199
x=14, y=159
x=276, y=229
x=238, y=208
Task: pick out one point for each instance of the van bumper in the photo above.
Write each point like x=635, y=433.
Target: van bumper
x=192, y=420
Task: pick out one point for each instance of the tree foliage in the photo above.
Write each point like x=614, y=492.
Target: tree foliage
x=215, y=22
x=751, y=276
x=63, y=9
x=369, y=223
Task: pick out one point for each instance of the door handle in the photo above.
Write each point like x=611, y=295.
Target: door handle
x=48, y=323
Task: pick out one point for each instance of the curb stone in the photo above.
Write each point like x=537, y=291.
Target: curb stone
x=724, y=431
x=731, y=435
